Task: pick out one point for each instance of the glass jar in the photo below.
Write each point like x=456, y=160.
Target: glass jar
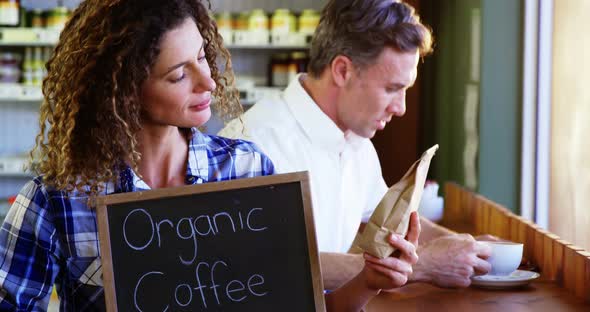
x=37, y=19
x=308, y=21
x=279, y=66
x=258, y=21
x=241, y=22
x=225, y=26
x=9, y=67
x=58, y=17
x=38, y=66
x=224, y=21
x=9, y=13
x=283, y=22
x=28, y=67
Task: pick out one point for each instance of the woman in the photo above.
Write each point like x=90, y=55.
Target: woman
x=128, y=85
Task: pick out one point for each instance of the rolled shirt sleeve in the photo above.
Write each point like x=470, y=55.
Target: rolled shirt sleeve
x=28, y=265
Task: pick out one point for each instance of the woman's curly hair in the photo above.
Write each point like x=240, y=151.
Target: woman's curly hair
x=91, y=113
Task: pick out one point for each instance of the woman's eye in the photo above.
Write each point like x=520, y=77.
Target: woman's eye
x=175, y=80
x=201, y=58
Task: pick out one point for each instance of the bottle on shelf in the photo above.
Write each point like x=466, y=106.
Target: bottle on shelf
x=297, y=64
x=225, y=26
x=241, y=21
x=38, y=67
x=36, y=18
x=258, y=24
x=9, y=13
x=240, y=28
x=57, y=17
x=9, y=67
x=28, y=67
x=283, y=25
x=308, y=22
x=258, y=21
x=279, y=66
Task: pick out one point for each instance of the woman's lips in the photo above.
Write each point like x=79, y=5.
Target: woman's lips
x=201, y=106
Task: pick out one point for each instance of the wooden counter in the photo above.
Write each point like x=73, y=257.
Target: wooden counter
x=538, y=297
x=564, y=284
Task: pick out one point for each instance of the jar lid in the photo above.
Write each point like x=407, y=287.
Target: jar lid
x=258, y=12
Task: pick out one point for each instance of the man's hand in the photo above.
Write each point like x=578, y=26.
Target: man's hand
x=393, y=271
x=451, y=260
x=378, y=274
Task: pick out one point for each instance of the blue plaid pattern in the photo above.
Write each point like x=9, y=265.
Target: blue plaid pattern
x=51, y=238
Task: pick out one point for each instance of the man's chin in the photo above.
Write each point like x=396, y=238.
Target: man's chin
x=370, y=134
x=366, y=135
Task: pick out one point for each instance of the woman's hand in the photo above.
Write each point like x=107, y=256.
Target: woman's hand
x=393, y=271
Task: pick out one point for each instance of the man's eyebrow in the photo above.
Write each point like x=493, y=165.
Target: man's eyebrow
x=397, y=85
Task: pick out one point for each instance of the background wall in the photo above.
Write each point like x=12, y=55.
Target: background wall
x=450, y=96
x=569, y=213
x=500, y=112
x=471, y=95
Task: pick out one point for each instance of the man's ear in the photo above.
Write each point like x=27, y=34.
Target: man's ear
x=341, y=69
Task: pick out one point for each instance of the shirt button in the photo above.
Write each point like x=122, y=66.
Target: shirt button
x=191, y=179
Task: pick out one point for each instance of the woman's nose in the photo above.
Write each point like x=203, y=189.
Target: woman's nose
x=203, y=81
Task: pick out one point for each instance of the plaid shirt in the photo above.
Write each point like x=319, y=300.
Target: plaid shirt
x=51, y=238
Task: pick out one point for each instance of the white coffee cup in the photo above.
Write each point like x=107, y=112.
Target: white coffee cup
x=505, y=258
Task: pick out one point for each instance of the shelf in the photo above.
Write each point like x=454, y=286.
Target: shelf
x=49, y=37
x=13, y=167
x=24, y=175
x=14, y=92
x=267, y=47
x=28, y=36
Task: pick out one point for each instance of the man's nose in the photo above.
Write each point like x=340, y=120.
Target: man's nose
x=398, y=107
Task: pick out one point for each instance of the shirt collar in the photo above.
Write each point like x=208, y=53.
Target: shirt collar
x=318, y=127
x=197, y=168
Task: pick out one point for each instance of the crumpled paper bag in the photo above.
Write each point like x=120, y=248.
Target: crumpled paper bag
x=392, y=215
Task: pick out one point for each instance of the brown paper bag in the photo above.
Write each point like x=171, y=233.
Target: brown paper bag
x=392, y=215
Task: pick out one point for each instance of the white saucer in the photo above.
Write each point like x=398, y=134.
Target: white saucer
x=517, y=278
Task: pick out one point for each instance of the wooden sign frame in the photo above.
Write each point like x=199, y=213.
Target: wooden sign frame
x=103, y=203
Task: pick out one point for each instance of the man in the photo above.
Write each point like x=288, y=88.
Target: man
x=363, y=58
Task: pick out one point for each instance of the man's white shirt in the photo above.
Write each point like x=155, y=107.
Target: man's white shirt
x=346, y=179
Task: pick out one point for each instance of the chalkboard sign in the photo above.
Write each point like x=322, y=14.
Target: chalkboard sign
x=241, y=245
